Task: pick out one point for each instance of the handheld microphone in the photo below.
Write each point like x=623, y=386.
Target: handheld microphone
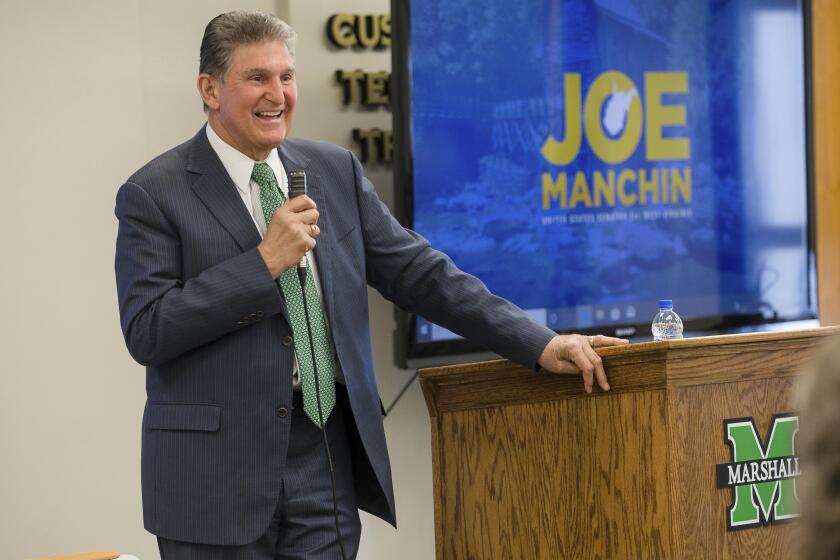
x=297, y=187
x=297, y=183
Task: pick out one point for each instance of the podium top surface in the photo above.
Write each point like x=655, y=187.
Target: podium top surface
x=637, y=367
x=720, y=340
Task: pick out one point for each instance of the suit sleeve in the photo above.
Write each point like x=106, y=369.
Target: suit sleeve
x=162, y=315
x=405, y=269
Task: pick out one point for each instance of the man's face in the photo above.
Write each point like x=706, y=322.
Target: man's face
x=252, y=109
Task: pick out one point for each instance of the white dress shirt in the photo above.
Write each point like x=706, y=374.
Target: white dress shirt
x=239, y=167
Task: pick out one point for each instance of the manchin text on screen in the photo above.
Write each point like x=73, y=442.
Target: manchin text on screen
x=613, y=120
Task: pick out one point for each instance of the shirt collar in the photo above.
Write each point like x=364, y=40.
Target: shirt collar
x=239, y=166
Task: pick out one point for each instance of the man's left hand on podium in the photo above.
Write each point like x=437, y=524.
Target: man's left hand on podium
x=573, y=353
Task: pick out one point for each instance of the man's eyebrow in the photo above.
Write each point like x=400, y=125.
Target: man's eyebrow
x=260, y=70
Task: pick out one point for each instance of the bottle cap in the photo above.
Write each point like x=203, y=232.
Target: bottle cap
x=666, y=304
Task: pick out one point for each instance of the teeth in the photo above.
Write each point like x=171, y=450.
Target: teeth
x=269, y=114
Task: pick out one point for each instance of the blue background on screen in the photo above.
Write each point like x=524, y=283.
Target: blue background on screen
x=487, y=83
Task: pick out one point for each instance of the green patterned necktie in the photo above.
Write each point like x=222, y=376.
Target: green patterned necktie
x=271, y=199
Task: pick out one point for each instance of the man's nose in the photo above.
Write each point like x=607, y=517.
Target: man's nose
x=275, y=91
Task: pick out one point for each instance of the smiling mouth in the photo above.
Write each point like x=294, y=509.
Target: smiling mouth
x=270, y=115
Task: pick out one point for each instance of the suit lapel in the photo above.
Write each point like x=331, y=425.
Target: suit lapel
x=216, y=190
x=294, y=160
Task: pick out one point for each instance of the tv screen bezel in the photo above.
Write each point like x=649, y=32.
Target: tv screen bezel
x=410, y=353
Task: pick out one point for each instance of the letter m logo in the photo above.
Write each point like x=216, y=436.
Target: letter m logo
x=760, y=503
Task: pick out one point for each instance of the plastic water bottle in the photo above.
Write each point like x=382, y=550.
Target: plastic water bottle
x=666, y=325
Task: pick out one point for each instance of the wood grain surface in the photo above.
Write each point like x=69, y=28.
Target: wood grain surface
x=528, y=466
x=578, y=478
x=825, y=82
x=637, y=367
x=697, y=444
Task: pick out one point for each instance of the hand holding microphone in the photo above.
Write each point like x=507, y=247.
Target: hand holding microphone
x=292, y=231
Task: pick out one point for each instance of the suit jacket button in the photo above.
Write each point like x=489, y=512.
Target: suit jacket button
x=252, y=316
x=287, y=341
x=260, y=314
x=282, y=412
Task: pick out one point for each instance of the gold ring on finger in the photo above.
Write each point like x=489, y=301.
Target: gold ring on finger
x=591, y=341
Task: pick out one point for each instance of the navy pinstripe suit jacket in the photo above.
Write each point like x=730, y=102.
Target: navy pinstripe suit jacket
x=200, y=310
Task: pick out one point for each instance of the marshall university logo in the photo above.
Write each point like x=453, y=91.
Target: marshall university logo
x=761, y=474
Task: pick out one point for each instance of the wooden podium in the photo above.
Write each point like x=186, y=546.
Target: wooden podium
x=528, y=466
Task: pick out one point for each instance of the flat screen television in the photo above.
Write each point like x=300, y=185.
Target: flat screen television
x=587, y=158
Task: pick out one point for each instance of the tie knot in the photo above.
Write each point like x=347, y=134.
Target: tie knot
x=263, y=174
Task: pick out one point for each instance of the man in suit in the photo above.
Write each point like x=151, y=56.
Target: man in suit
x=252, y=365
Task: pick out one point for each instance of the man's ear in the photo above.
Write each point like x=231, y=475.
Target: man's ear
x=208, y=88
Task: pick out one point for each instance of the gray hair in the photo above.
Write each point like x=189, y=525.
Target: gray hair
x=227, y=31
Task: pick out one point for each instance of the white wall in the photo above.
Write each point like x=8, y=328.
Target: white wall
x=90, y=91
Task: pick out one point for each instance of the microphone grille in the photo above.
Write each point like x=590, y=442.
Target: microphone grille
x=297, y=183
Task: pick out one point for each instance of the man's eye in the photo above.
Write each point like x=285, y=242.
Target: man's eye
x=257, y=78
